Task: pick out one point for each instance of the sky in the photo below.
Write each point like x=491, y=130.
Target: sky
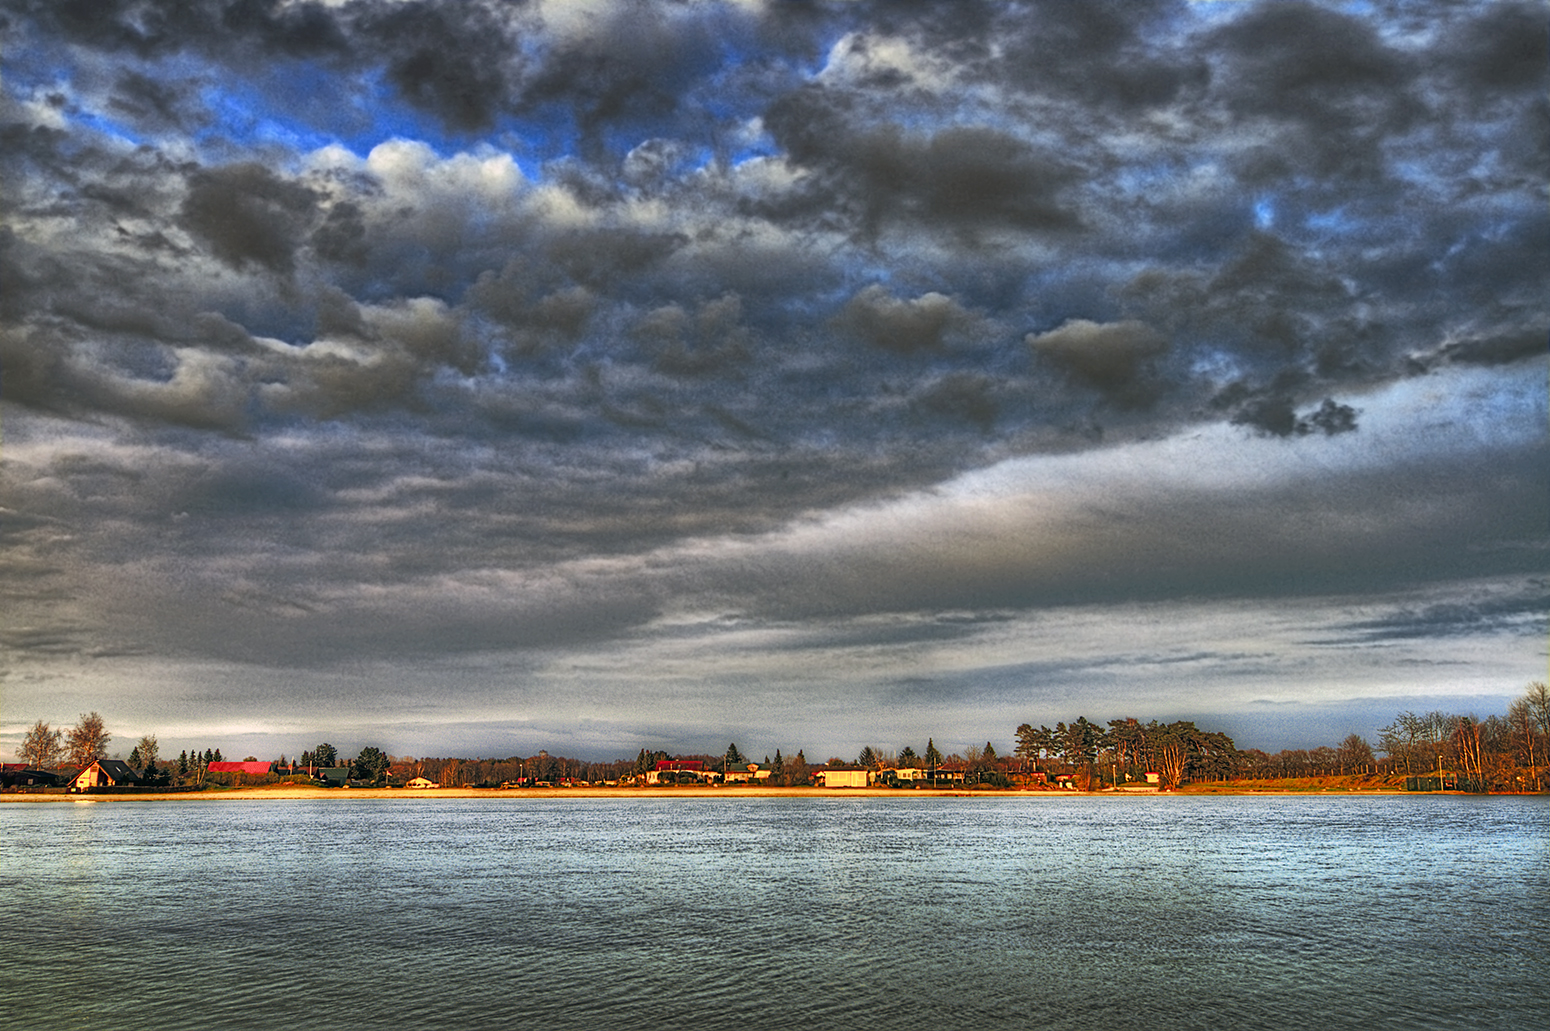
x=471, y=378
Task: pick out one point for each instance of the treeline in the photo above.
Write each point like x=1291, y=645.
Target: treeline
x=1497, y=753
x=1127, y=750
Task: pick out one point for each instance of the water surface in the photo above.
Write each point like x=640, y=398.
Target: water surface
x=1082, y=913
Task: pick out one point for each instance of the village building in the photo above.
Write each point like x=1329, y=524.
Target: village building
x=752, y=773
x=258, y=768
x=105, y=773
x=842, y=777
x=422, y=783
x=678, y=771
x=20, y=775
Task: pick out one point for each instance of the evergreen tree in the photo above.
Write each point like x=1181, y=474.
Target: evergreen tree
x=933, y=757
x=733, y=756
x=135, y=762
x=217, y=756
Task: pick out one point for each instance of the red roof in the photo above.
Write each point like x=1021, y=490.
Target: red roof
x=680, y=764
x=227, y=767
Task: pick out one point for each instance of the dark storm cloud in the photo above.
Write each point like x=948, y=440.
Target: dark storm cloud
x=248, y=215
x=454, y=61
x=1325, y=83
x=633, y=67
x=157, y=28
x=967, y=180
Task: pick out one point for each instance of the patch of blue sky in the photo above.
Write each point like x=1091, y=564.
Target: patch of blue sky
x=1265, y=213
x=107, y=126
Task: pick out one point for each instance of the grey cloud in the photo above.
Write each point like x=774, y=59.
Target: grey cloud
x=248, y=215
x=967, y=180
x=708, y=340
x=921, y=324
x=1275, y=414
x=636, y=65
x=963, y=396
x=1095, y=53
x=452, y=60
x=1109, y=357
x=1516, y=608
x=1500, y=48
x=156, y=28
x=1327, y=80
x=156, y=104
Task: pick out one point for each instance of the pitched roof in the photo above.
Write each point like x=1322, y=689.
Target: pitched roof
x=117, y=770
x=680, y=764
x=239, y=767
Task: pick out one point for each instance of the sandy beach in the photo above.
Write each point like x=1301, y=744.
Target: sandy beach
x=294, y=792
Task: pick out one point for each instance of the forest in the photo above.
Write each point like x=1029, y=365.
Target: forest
x=1499, y=753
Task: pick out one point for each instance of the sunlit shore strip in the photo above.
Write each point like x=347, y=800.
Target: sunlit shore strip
x=289, y=792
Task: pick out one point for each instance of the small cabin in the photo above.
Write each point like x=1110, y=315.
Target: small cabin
x=843, y=777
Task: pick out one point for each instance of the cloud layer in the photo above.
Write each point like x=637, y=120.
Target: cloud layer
x=334, y=333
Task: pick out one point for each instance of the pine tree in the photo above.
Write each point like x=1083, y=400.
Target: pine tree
x=933, y=757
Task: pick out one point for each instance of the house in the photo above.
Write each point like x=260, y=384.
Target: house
x=677, y=771
x=421, y=782
x=105, y=773
x=20, y=775
x=334, y=776
x=843, y=777
x=952, y=773
x=259, y=768
x=750, y=773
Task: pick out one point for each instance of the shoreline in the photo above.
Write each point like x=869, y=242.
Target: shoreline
x=289, y=792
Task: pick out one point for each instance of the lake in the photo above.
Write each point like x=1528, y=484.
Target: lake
x=1080, y=913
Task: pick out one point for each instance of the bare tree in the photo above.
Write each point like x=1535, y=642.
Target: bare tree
x=88, y=740
x=150, y=753
x=1355, y=755
x=1520, y=718
x=42, y=748
x=1170, y=753
x=1537, y=698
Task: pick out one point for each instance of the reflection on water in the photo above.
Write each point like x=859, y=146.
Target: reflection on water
x=1082, y=913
